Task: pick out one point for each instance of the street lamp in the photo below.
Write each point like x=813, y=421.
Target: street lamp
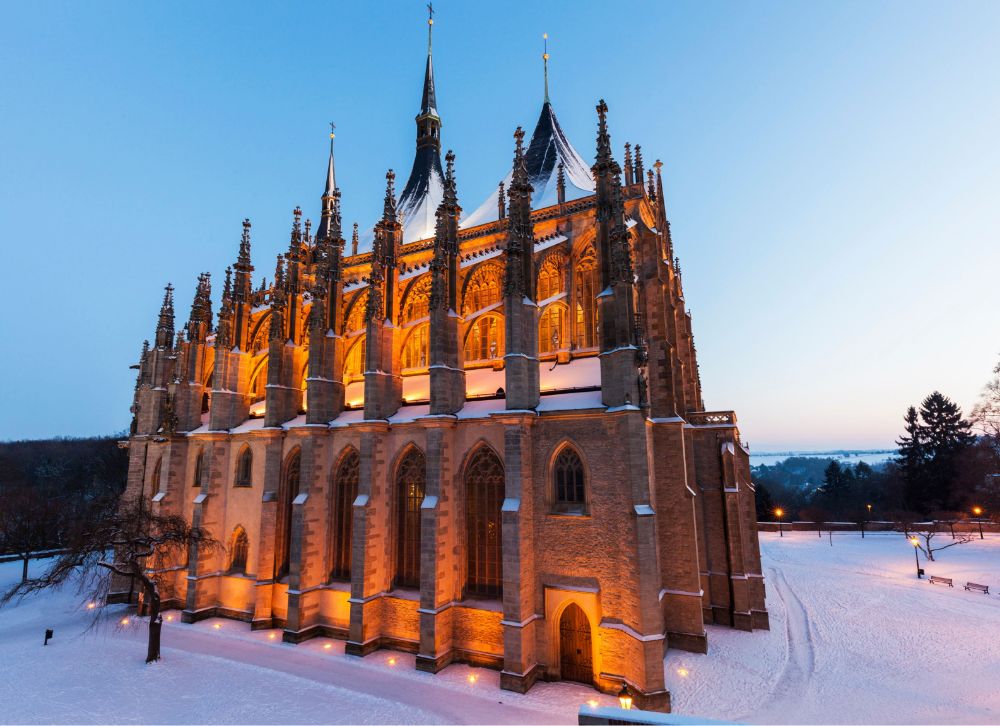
x=978, y=511
x=779, y=513
x=869, y=510
x=625, y=697
x=916, y=558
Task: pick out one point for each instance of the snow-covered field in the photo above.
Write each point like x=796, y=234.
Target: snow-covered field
x=855, y=638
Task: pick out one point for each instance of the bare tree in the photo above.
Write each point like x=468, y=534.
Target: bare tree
x=929, y=547
x=129, y=542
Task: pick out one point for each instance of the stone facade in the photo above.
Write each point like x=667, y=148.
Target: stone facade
x=447, y=446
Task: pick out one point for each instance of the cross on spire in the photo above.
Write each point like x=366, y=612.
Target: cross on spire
x=545, y=62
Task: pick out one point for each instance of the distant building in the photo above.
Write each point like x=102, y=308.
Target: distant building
x=482, y=440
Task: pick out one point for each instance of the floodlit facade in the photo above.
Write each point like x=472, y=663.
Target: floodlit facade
x=482, y=440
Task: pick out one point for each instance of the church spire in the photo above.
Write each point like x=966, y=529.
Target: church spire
x=428, y=120
x=329, y=224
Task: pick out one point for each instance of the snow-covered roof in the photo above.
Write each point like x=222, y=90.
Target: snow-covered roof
x=547, y=148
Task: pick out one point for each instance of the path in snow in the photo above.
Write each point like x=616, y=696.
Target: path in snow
x=855, y=638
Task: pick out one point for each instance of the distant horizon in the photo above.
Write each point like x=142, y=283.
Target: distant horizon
x=830, y=222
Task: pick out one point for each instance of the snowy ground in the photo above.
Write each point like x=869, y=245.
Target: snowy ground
x=854, y=638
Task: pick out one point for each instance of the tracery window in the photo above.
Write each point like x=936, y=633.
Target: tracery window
x=354, y=362
x=261, y=336
x=569, y=481
x=552, y=329
x=418, y=301
x=586, y=300
x=416, y=350
x=345, y=491
x=551, y=280
x=483, y=288
x=244, y=468
x=484, y=341
x=355, y=319
x=287, y=491
x=240, y=548
x=411, y=482
x=484, y=487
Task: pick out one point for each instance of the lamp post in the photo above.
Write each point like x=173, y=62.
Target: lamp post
x=625, y=697
x=978, y=511
x=869, y=510
x=779, y=513
x=916, y=558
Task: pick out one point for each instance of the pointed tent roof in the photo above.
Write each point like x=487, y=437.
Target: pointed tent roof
x=424, y=188
x=547, y=149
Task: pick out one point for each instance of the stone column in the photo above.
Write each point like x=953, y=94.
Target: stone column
x=370, y=556
x=437, y=548
x=520, y=661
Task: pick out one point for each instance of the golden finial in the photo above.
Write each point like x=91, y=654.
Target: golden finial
x=333, y=127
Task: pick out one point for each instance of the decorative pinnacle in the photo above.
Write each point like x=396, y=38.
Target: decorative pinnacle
x=519, y=141
x=449, y=170
x=545, y=62
x=389, y=210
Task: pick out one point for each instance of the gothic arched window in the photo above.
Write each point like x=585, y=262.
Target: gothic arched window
x=244, y=468
x=569, y=480
x=586, y=300
x=418, y=301
x=354, y=361
x=484, y=341
x=552, y=329
x=345, y=491
x=355, y=319
x=483, y=288
x=416, y=350
x=258, y=382
x=287, y=491
x=411, y=481
x=240, y=546
x=551, y=280
x=199, y=465
x=484, y=494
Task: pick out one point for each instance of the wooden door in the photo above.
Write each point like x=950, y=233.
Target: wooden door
x=575, y=651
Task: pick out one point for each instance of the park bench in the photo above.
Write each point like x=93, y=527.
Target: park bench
x=985, y=589
x=935, y=580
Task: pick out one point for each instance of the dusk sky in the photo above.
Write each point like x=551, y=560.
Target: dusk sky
x=831, y=174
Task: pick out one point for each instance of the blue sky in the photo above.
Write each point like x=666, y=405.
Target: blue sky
x=831, y=173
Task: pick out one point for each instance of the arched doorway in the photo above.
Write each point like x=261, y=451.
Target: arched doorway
x=575, y=650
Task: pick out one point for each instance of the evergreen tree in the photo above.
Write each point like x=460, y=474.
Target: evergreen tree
x=946, y=436
x=912, y=457
x=765, y=505
x=837, y=485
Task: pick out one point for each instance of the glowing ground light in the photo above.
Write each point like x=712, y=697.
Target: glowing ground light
x=327, y=646
x=472, y=678
x=91, y=606
x=124, y=621
x=592, y=703
x=271, y=636
x=217, y=626
x=682, y=672
x=392, y=661
x=170, y=617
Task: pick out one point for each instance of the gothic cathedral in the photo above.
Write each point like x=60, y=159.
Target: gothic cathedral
x=474, y=437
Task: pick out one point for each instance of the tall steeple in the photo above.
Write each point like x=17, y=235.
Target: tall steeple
x=424, y=188
x=428, y=121
x=330, y=217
